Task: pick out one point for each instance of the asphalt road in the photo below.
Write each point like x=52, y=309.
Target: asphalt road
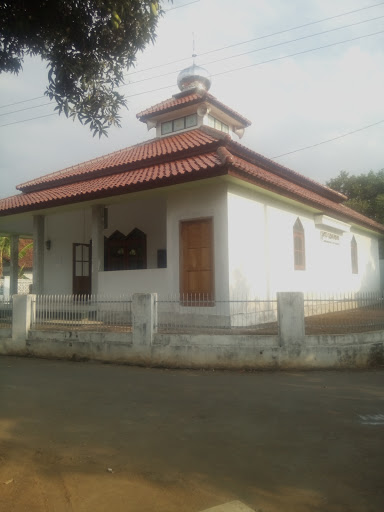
x=93, y=437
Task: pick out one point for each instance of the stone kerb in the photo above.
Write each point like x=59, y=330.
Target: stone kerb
x=290, y=311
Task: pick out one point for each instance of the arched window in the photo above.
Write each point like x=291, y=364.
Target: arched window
x=299, y=245
x=354, y=260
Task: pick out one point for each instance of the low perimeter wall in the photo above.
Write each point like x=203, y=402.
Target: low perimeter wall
x=145, y=346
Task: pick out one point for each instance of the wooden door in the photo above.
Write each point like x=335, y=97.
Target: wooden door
x=82, y=268
x=196, y=262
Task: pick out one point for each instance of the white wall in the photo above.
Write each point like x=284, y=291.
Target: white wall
x=199, y=201
x=63, y=230
x=128, y=282
x=253, y=244
x=261, y=258
x=145, y=213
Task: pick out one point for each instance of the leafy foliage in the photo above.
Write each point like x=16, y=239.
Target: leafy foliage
x=365, y=192
x=87, y=44
x=5, y=252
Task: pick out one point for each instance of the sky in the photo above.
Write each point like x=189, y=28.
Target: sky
x=299, y=98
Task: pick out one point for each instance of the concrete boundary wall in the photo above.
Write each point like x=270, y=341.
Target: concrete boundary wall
x=145, y=346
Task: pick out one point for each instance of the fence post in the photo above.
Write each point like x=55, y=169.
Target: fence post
x=290, y=310
x=144, y=318
x=21, y=316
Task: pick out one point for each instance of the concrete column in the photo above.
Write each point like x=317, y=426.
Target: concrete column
x=144, y=318
x=22, y=316
x=97, y=246
x=14, y=267
x=290, y=309
x=38, y=254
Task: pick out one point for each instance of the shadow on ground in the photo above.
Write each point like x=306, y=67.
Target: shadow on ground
x=92, y=437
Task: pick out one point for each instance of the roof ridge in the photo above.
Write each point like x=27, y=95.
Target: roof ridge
x=172, y=148
x=178, y=101
x=280, y=169
x=298, y=192
x=92, y=160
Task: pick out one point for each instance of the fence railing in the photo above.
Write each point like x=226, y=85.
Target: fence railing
x=6, y=313
x=343, y=313
x=86, y=312
x=199, y=312
x=324, y=314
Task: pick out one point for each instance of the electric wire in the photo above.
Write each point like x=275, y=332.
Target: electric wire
x=258, y=38
x=299, y=53
x=26, y=108
x=329, y=140
x=257, y=50
x=182, y=5
x=229, y=46
x=30, y=119
x=226, y=58
x=240, y=68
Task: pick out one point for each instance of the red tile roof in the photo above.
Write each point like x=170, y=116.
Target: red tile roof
x=188, y=156
x=128, y=158
x=189, y=98
x=113, y=184
x=242, y=169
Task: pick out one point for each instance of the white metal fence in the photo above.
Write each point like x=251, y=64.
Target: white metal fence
x=5, y=312
x=343, y=312
x=200, y=312
x=86, y=312
x=331, y=313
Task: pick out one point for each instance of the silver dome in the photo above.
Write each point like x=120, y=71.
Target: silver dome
x=192, y=77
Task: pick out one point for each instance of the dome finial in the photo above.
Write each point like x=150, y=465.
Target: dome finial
x=194, y=76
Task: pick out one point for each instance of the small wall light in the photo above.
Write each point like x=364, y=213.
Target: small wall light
x=48, y=244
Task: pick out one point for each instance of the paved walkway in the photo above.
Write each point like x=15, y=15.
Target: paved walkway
x=88, y=437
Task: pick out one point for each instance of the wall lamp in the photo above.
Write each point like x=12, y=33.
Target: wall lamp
x=48, y=244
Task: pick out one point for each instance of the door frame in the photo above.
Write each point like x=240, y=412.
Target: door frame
x=211, y=300
x=74, y=261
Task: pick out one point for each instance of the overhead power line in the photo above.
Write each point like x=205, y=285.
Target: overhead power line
x=23, y=101
x=182, y=5
x=257, y=50
x=294, y=28
x=223, y=59
x=300, y=53
x=240, y=68
x=26, y=108
x=26, y=120
x=229, y=46
x=329, y=140
x=259, y=38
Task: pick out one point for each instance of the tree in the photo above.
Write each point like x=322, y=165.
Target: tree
x=365, y=192
x=87, y=44
x=5, y=250
x=5, y=253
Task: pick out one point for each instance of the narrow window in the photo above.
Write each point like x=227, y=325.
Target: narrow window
x=354, y=260
x=166, y=128
x=191, y=121
x=299, y=245
x=179, y=124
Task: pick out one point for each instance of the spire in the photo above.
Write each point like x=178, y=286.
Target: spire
x=194, y=76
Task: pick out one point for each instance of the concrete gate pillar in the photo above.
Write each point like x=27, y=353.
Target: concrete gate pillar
x=290, y=309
